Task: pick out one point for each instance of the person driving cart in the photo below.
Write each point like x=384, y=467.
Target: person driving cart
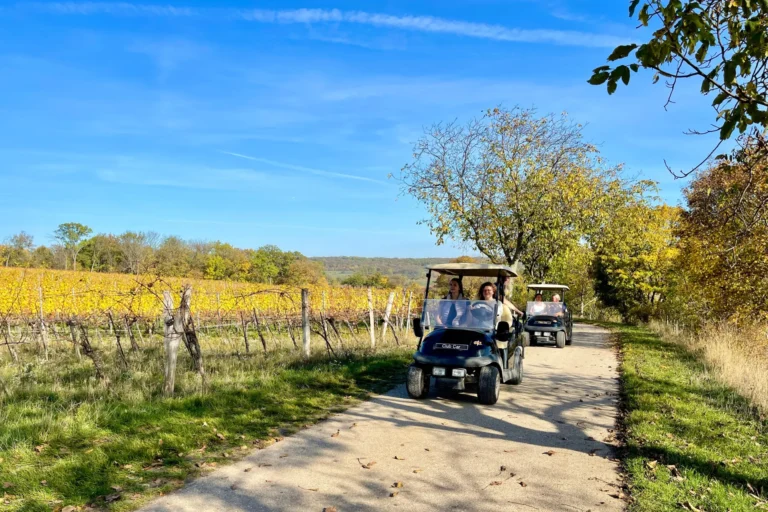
x=480, y=311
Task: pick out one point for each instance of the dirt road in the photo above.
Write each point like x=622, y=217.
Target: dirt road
x=544, y=446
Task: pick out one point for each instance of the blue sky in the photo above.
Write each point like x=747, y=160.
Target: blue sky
x=277, y=123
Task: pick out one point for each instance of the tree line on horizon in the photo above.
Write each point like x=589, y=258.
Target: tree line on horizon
x=142, y=252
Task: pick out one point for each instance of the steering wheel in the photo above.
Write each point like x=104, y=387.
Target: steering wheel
x=482, y=313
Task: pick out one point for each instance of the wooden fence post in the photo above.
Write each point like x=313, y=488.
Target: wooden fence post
x=171, y=340
x=387, y=312
x=43, y=327
x=371, y=319
x=305, y=319
x=408, y=317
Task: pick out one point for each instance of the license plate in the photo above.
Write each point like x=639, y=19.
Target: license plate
x=451, y=346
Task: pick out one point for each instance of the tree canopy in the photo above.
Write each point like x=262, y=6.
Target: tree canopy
x=513, y=184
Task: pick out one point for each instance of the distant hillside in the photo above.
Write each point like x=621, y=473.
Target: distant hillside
x=339, y=267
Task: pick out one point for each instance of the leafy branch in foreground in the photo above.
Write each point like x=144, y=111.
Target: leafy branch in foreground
x=722, y=43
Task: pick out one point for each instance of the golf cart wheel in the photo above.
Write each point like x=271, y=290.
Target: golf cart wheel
x=560, y=340
x=417, y=383
x=526, y=339
x=489, y=385
x=516, y=366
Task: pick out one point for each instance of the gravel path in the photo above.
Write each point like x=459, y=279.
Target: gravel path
x=546, y=445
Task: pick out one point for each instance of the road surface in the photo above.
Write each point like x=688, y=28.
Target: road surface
x=546, y=445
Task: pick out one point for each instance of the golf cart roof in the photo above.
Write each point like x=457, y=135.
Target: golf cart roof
x=547, y=286
x=473, y=269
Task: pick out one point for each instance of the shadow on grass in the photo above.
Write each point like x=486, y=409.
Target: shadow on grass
x=63, y=440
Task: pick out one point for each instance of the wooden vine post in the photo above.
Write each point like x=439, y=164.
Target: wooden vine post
x=387, y=312
x=305, y=320
x=172, y=338
x=371, y=318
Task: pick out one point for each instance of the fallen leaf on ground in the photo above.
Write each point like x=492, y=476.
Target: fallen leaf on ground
x=264, y=465
x=116, y=488
x=651, y=464
x=393, y=494
x=39, y=448
x=353, y=425
x=69, y=508
x=220, y=436
x=496, y=482
x=283, y=455
x=399, y=458
x=7, y=485
x=503, y=468
x=246, y=470
x=369, y=465
x=418, y=470
x=243, y=447
x=112, y=497
x=397, y=484
x=549, y=452
x=330, y=509
x=233, y=486
x=313, y=489
x=523, y=484
x=336, y=434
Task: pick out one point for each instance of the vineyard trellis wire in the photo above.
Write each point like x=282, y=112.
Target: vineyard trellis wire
x=45, y=311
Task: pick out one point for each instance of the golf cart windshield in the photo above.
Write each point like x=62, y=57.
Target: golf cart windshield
x=460, y=314
x=541, y=308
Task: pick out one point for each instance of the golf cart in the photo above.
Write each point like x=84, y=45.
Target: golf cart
x=547, y=321
x=464, y=344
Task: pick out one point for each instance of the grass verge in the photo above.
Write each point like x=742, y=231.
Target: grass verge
x=692, y=443
x=66, y=440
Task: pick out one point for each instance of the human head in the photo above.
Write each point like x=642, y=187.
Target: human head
x=487, y=291
x=555, y=298
x=456, y=289
x=537, y=298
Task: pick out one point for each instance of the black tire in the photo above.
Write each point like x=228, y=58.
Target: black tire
x=516, y=366
x=417, y=383
x=526, y=339
x=489, y=385
x=560, y=339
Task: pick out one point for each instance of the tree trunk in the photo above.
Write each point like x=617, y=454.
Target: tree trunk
x=189, y=333
x=258, y=331
x=129, y=330
x=244, y=324
x=91, y=353
x=76, y=347
x=9, y=340
x=117, y=339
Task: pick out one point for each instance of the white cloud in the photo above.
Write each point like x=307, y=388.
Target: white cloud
x=427, y=24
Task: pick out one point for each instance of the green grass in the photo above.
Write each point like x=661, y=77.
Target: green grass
x=691, y=442
x=66, y=439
